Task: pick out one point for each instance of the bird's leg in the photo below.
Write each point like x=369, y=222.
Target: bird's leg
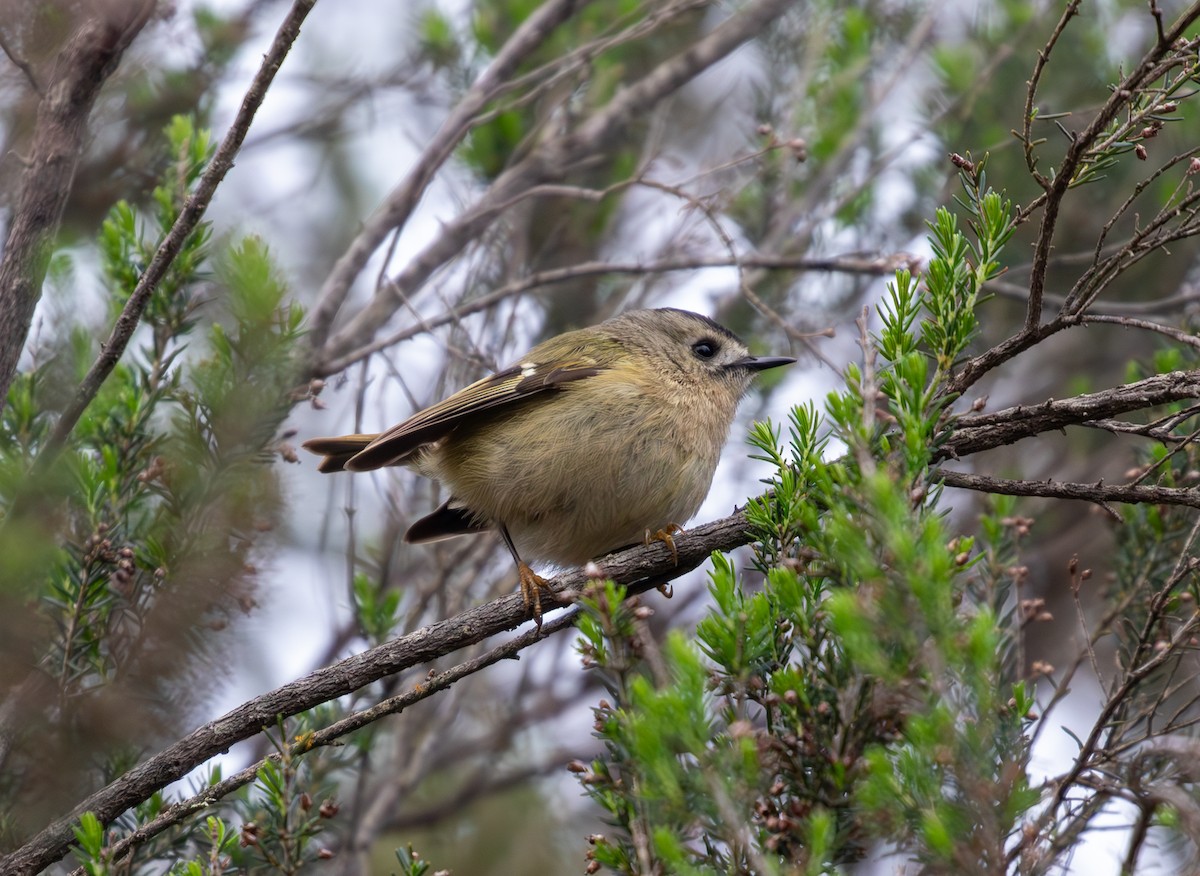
x=532, y=584
x=665, y=536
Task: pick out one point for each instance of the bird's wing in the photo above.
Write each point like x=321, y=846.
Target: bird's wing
x=508, y=387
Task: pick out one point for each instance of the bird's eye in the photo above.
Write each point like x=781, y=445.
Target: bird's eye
x=705, y=349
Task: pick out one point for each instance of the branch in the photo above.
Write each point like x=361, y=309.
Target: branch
x=550, y=161
x=641, y=568
x=1099, y=493
x=189, y=217
x=978, y=432
x=84, y=64
x=1033, y=330
x=1078, y=148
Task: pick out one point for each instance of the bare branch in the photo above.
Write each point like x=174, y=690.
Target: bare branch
x=21, y=64
x=398, y=206
x=1099, y=493
x=977, y=432
x=1079, y=148
x=862, y=265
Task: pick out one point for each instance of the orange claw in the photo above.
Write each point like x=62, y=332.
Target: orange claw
x=532, y=586
x=665, y=536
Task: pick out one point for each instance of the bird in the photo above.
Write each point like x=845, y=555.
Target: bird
x=594, y=440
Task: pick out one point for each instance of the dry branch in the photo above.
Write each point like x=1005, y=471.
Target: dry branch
x=398, y=206
x=977, y=432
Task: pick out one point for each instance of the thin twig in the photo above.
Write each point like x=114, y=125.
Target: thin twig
x=400, y=203
x=849, y=264
x=1099, y=492
x=547, y=162
x=21, y=64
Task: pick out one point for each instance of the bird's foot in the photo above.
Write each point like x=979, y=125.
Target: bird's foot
x=532, y=587
x=665, y=535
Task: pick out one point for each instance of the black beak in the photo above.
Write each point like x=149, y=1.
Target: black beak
x=761, y=363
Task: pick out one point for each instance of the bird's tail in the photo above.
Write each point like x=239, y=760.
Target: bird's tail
x=337, y=451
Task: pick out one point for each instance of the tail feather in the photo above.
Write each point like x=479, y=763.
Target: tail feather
x=337, y=451
x=445, y=522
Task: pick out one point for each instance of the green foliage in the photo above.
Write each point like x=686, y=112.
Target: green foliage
x=124, y=559
x=411, y=864
x=377, y=611
x=857, y=695
x=281, y=818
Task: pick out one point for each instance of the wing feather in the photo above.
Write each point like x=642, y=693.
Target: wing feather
x=502, y=389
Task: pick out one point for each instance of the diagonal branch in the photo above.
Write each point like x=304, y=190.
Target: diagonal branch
x=1078, y=148
x=399, y=205
x=641, y=568
x=208, y=797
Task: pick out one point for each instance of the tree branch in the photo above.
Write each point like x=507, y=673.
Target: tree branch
x=876, y=267
x=1099, y=492
x=641, y=568
x=84, y=64
x=400, y=203
x=977, y=432
x=1034, y=330
x=208, y=797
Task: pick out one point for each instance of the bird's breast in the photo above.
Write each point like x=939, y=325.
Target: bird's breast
x=572, y=479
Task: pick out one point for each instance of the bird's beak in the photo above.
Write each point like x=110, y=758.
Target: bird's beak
x=761, y=363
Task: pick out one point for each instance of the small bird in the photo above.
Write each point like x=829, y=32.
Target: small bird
x=595, y=440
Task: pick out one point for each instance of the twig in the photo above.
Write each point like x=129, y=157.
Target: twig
x=874, y=266
x=1078, y=148
x=1100, y=493
x=1031, y=92
x=549, y=161
x=400, y=203
x=21, y=64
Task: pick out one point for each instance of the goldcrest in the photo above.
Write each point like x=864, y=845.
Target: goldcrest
x=595, y=440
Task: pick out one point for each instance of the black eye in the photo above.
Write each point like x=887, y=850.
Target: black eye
x=705, y=349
